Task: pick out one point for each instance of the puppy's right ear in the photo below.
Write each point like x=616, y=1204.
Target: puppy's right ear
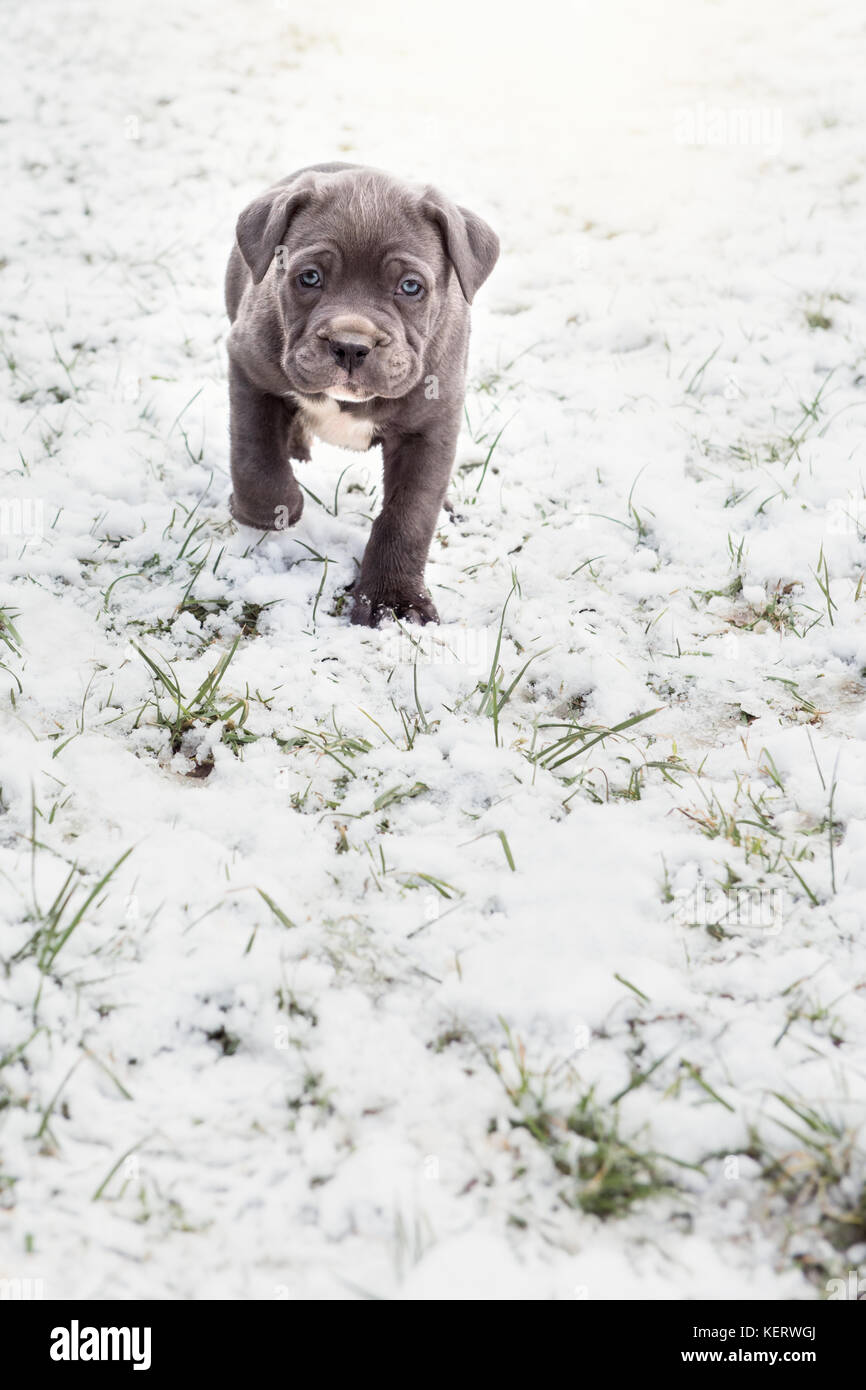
x=262, y=225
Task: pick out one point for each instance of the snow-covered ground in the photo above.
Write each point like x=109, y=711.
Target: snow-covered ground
x=321, y=981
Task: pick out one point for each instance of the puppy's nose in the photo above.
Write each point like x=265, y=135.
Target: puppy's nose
x=346, y=353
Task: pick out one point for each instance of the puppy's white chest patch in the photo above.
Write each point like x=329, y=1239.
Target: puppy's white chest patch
x=328, y=422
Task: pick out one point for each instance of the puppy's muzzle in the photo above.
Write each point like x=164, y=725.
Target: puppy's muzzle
x=351, y=339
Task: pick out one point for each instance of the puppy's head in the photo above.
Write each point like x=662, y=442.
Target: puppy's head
x=361, y=264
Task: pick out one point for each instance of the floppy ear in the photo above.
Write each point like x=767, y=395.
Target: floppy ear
x=262, y=225
x=471, y=246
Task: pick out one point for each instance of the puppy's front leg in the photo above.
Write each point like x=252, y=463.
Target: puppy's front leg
x=264, y=431
x=417, y=469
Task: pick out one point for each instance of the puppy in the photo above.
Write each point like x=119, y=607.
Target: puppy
x=349, y=293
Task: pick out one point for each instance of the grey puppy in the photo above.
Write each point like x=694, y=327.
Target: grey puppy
x=349, y=295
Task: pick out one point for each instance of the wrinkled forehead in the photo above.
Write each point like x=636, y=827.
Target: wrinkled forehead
x=364, y=216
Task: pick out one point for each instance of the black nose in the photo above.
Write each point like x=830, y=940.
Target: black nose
x=346, y=354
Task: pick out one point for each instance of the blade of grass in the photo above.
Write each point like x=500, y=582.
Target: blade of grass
x=277, y=911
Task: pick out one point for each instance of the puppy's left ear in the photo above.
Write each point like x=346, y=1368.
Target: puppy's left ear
x=470, y=245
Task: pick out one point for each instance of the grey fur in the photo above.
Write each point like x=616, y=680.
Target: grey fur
x=398, y=362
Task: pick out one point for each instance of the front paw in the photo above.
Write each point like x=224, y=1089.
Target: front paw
x=280, y=517
x=370, y=604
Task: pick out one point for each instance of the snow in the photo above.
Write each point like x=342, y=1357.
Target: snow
x=201, y=1101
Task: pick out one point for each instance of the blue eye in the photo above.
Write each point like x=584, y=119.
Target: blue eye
x=309, y=279
x=411, y=287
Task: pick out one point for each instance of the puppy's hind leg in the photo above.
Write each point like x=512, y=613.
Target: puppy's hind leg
x=264, y=433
